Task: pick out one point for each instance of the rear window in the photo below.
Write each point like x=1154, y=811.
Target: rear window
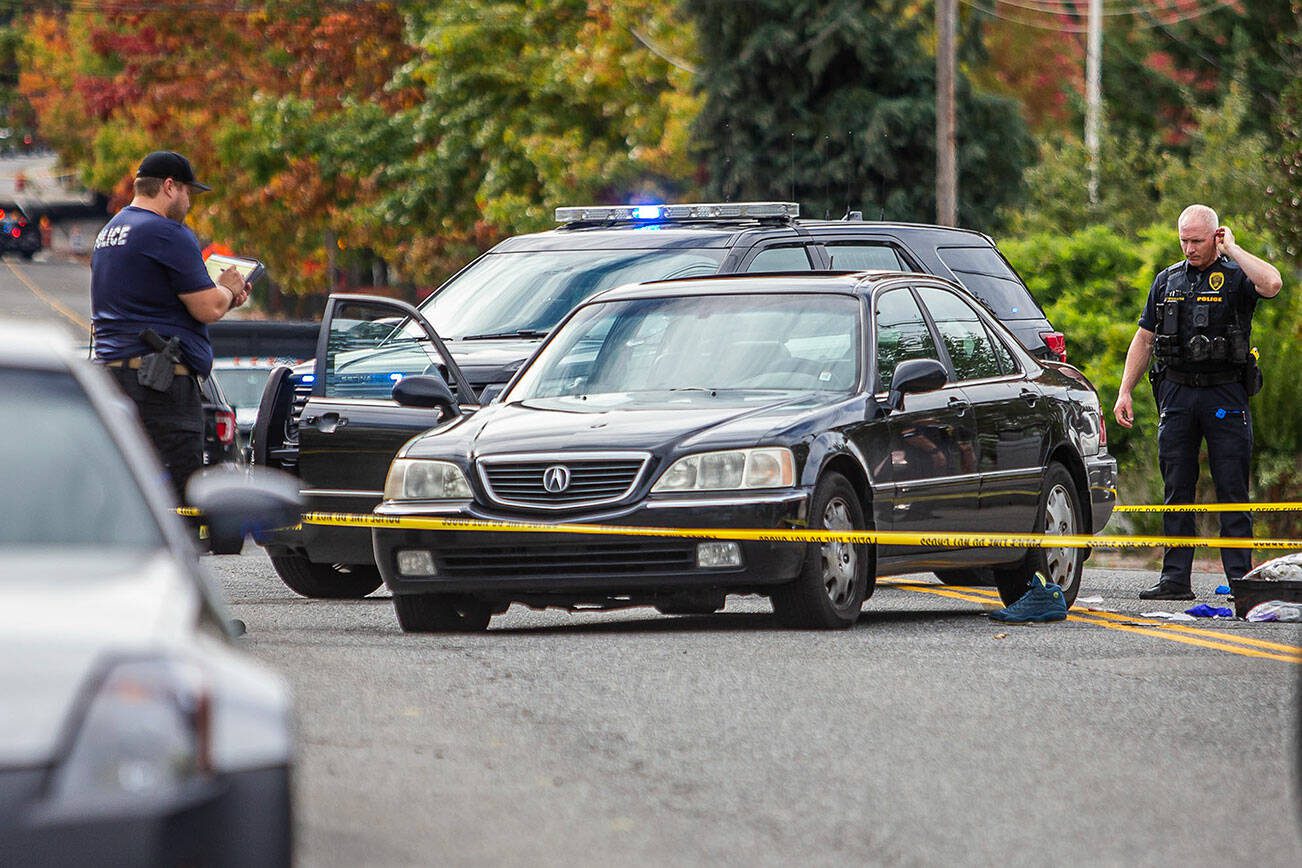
x=985, y=274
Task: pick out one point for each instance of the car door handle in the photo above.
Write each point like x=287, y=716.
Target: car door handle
x=1030, y=397
x=326, y=423
x=959, y=404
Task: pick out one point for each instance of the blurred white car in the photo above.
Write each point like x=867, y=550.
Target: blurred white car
x=132, y=730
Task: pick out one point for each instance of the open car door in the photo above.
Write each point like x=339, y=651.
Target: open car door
x=351, y=427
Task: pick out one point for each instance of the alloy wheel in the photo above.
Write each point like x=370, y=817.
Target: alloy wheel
x=840, y=559
x=1060, y=518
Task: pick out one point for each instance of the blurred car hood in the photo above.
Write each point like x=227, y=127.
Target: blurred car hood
x=62, y=618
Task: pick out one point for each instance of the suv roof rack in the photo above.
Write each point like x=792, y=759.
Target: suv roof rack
x=690, y=212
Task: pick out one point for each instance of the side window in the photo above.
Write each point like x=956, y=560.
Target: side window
x=864, y=256
x=983, y=272
x=371, y=346
x=790, y=258
x=902, y=334
x=970, y=346
x=1005, y=358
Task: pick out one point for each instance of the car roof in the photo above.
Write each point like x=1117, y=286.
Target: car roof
x=714, y=233
x=34, y=345
x=844, y=282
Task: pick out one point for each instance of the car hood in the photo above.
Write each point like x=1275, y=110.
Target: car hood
x=686, y=419
x=62, y=618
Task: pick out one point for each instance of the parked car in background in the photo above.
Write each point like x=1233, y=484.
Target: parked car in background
x=878, y=400
x=242, y=381
x=18, y=234
x=220, y=443
x=338, y=433
x=132, y=730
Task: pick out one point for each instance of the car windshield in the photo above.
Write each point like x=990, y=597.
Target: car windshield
x=242, y=386
x=526, y=294
x=65, y=482
x=708, y=344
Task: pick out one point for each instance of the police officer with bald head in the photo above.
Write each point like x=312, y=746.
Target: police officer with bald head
x=1196, y=329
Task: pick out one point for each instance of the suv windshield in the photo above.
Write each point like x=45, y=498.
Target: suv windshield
x=705, y=344
x=526, y=294
x=65, y=482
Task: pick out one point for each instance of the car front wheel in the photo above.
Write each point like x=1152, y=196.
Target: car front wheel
x=834, y=580
x=1059, y=513
x=441, y=613
x=326, y=581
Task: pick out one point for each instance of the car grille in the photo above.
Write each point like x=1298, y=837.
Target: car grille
x=593, y=479
x=634, y=558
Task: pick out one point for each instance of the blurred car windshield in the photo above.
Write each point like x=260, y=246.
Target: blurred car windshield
x=242, y=386
x=65, y=482
x=509, y=293
x=703, y=344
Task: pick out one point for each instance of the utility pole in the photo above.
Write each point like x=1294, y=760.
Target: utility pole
x=1093, y=99
x=946, y=161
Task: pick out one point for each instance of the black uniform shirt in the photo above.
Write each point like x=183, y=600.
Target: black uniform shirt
x=1223, y=281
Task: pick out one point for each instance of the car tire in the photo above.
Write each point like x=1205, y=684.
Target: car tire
x=441, y=613
x=835, y=578
x=326, y=581
x=971, y=577
x=1059, y=512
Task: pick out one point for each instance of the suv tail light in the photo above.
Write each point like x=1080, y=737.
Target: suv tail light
x=1103, y=430
x=1057, y=344
x=225, y=426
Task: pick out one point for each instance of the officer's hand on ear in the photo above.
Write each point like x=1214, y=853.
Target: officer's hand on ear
x=1224, y=240
x=1124, y=411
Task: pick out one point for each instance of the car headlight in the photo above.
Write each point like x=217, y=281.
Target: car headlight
x=422, y=479
x=768, y=467
x=146, y=732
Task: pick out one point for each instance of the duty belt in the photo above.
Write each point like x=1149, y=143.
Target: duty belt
x=1213, y=378
x=134, y=364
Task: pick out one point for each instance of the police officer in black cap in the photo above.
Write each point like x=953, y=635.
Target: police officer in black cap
x=148, y=282
x=1197, y=327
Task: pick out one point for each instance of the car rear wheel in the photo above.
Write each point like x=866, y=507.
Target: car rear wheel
x=326, y=581
x=441, y=613
x=1059, y=513
x=834, y=581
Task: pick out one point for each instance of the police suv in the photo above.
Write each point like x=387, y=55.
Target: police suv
x=338, y=422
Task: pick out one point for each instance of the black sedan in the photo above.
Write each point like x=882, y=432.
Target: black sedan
x=872, y=400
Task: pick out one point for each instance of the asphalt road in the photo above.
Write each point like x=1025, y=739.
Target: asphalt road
x=927, y=734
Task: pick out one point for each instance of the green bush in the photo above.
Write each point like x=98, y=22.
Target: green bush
x=1092, y=284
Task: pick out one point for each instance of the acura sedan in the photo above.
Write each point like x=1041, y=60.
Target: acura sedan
x=132, y=730
x=876, y=400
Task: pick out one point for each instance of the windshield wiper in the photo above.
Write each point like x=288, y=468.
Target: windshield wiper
x=518, y=333
x=712, y=392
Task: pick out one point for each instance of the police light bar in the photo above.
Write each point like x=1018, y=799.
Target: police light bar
x=687, y=212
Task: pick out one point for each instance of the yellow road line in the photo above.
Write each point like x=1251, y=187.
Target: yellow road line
x=59, y=307
x=1162, y=625
x=1170, y=632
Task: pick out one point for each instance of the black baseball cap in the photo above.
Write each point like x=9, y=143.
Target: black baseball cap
x=169, y=164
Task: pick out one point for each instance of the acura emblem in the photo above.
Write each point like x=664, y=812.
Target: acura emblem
x=556, y=478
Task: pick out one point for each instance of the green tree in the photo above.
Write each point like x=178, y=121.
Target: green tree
x=833, y=104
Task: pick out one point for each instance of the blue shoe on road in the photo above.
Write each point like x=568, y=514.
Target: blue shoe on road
x=1043, y=602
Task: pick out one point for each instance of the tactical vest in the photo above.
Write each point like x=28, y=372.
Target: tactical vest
x=1198, y=327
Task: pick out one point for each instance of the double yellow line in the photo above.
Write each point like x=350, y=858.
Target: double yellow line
x=58, y=306
x=1217, y=640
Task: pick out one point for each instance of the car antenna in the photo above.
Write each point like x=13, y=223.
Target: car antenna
x=852, y=215
x=791, y=162
x=827, y=180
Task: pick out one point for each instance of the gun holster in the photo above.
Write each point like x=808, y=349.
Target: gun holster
x=156, y=372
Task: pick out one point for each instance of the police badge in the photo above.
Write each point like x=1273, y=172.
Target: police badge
x=1216, y=281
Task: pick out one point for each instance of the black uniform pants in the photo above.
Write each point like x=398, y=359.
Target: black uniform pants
x=1219, y=415
x=173, y=420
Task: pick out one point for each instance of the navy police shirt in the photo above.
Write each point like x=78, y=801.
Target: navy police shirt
x=142, y=264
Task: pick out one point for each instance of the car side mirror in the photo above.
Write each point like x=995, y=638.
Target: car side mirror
x=915, y=375
x=425, y=390
x=235, y=504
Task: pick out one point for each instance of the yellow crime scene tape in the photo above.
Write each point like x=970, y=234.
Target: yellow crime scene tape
x=1210, y=507
x=881, y=537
